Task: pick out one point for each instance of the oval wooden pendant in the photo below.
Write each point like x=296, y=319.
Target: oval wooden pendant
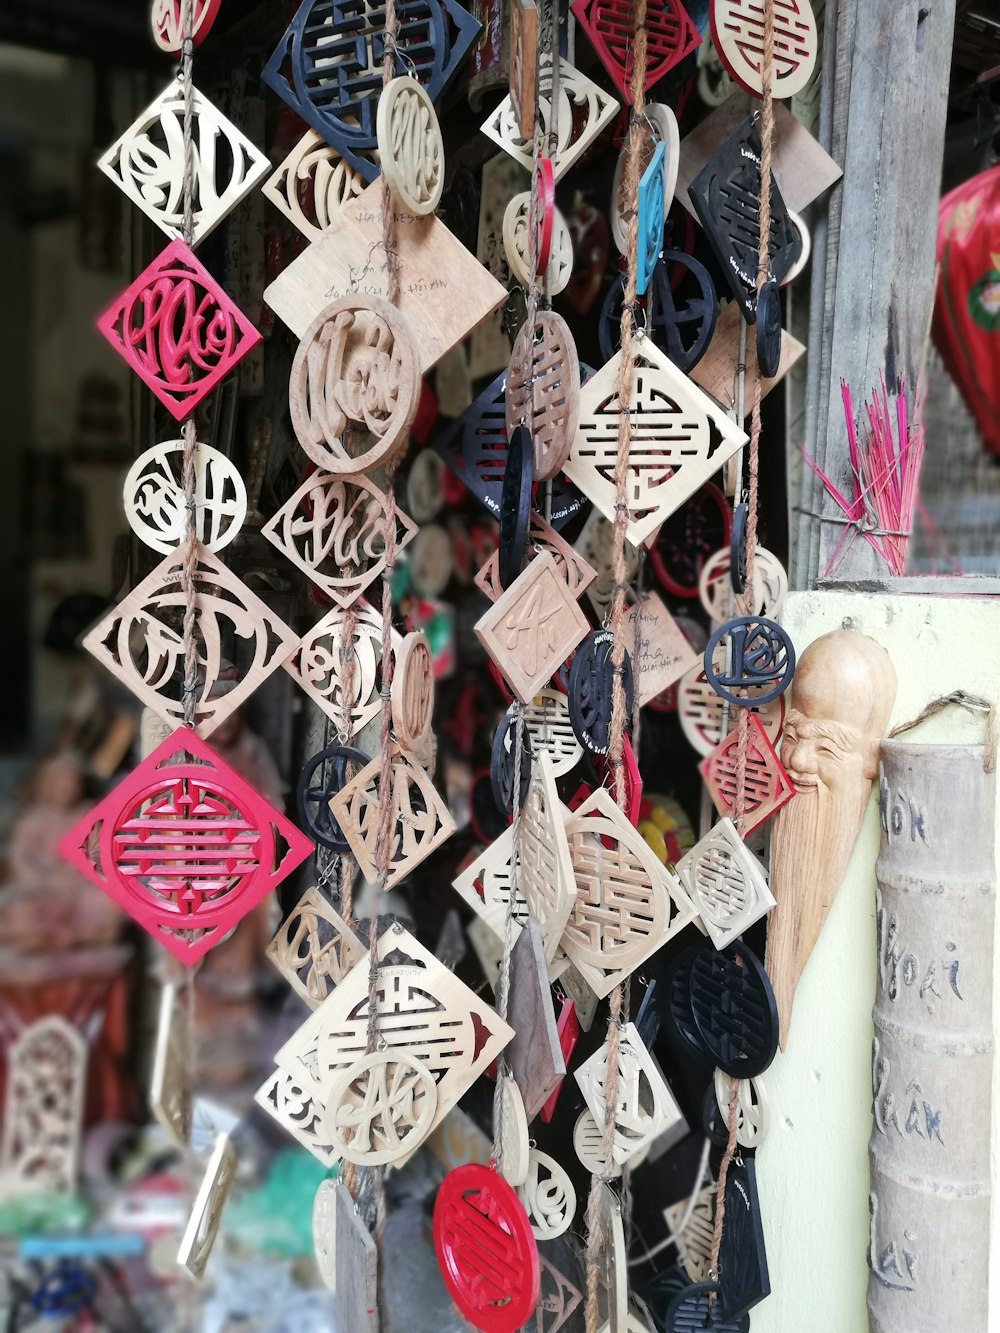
x=548, y=1196
x=382, y=1109
x=544, y=189
x=517, y=241
x=153, y=496
x=767, y=596
x=752, y=1108
x=412, y=693
x=738, y=34
x=543, y=390
x=516, y=1146
x=432, y=561
x=167, y=19
x=324, y=1233
x=591, y=680
x=411, y=150
x=738, y=548
x=354, y=386
x=320, y=780
x=485, y=1250
x=768, y=329
x=733, y=1008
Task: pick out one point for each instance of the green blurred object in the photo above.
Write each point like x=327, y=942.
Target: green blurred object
x=276, y=1218
x=42, y=1214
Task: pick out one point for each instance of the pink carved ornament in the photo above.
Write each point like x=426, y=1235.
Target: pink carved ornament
x=767, y=786
x=167, y=18
x=670, y=36
x=178, y=330
x=185, y=846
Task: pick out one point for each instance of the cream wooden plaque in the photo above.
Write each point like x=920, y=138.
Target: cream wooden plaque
x=314, y=948
x=313, y=185
x=726, y=883
x=206, y=1214
x=545, y=871
x=170, y=1083
x=644, y=1107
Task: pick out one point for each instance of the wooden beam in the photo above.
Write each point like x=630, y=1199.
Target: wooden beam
x=887, y=84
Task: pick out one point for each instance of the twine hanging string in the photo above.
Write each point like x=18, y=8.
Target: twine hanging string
x=616, y=621
x=974, y=703
x=743, y=722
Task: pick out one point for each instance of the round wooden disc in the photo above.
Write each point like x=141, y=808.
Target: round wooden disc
x=431, y=561
x=588, y=1143
x=768, y=329
x=381, y=1109
x=752, y=1108
x=664, y=131
x=354, y=386
x=167, y=20
x=770, y=583
x=410, y=146
x=544, y=375
x=738, y=34
x=424, y=486
x=516, y=244
x=153, y=496
x=412, y=693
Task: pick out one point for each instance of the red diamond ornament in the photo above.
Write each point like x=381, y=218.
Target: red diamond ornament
x=768, y=787
x=485, y=1249
x=178, y=330
x=185, y=846
x=670, y=36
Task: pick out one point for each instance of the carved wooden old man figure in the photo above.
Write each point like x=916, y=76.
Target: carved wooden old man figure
x=842, y=696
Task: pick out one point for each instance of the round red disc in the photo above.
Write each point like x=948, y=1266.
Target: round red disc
x=485, y=1249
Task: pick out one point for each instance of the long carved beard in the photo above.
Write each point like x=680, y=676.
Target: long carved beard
x=814, y=835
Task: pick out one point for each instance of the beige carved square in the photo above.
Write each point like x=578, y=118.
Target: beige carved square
x=532, y=629
x=572, y=566
x=644, y=1105
x=421, y=821
x=627, y=904
x=314, y=948
x=726, y=883
x=694, y=1244
x=317, y=666
x=293, y=1103
x=313, y=185
x=545, y=871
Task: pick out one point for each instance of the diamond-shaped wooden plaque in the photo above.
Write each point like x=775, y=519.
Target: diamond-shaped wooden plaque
x=292, y=1101
x=313, y=185
x=317, y=666
x=657, y=646
x=726, y=883
x=314, y=948
x=679, y=438
x=206, y=1214
x=768, y=787
x=444, y=292
x=644, y=1106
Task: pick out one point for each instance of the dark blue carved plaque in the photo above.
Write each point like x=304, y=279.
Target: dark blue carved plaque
x=590, y=695
x=743, y=1277
x=515, y=505
x=733, y=1008
x=681, y=329
x=694, y=1311
x=762, y=661
x=320, y=780
x=502, y=763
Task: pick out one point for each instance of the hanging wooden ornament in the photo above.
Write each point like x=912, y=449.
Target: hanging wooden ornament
x=332, y=528
x=412, y=693
x=485, y=1250
x=328, y=64
x=659, y=649
x=170, y=1082
x=324, y=1232
x=767, y=332
x=291, y=1101
x=547, y=722
x=629, y=802
x=574, y=570
x=714, y=372
x=677, y=1006
x=381, y=1108
x=612, y=1276
x=431, y=561
x=768, y=787
x=738, y=34
x=43, y=1109
x=485, y=885
x=558, y=1299
x=410, y=146
x=702, y=713
x=726, y=883
x=532, y=629
x=681, y=329
x=695, y=1310
x=355, y=374
x=799, y=224
x=523, y=64
x=167, y=19
x=314, y=948
x=650, y=202
x=317, y=665
x=659, y=127
x=545, y=871
x=147, y=164
x=584, y=111
x=595, y=544
x=591, y=690
x=356, y=1303
x=502, y=764
x=206, y=1214
x=568, y=1032
x=675, y=442
x=558, y=256
x=588, y=1144
x=548, y=1197
x=421, y=821
x=515, y=1148
x=313, y=185
x=535, y=1055
x=744, y=1280
x=155, y=507
x=767, y=596
x=543, y=390
x=726, y=197
x=425, y=483
x=322, y=776
x=694, y=1242
x=644, y=1108
x=753, y=1116
x=627, y=904
x=749, y=660
x=515, y=506
x=177, y=330
x=609, y=25
x=185, y=846
x=425, y=1013
x=733, y=1007
x=431, y=262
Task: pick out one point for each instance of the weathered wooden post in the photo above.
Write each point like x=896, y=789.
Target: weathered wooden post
x=932, y=1054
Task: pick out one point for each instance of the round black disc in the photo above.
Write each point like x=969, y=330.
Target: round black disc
x=591, y=681
x=762, y=661
x=515, y=505
x=738, y=548
x=502, y=764
x=680, y=328
x=769, y=329
x=694, y=1310
x=320, y=780
x=680, y=1019
x=733, y=1007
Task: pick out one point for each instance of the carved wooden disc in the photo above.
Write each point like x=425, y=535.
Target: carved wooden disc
x=543, y=390
x=354, y=386
x=548, y=1196
x=548, y=724
x=753, y=1110
x=770, y=584
x=516, y=242
x=588, y=1144
x=738, y=34
x=167, y=19
x=382, y=1109
x=153, y=496
x=411, y=150
x=412, y=695
x=644, y=1107
x=514, y=1139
